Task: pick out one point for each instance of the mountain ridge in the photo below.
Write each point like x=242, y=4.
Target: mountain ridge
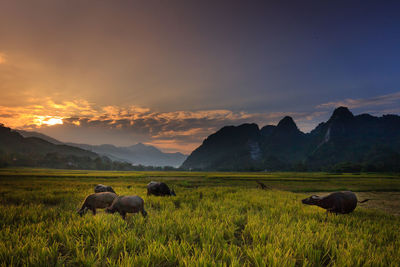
x=16, y=150
x=137, y=154
x=343, y=140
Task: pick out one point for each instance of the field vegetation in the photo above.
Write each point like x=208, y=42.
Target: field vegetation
x=216, y=219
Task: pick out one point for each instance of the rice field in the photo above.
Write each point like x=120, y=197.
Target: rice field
x=216, y=219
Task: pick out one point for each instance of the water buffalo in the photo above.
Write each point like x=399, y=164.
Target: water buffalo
x=127, y=204
x=159, y=189
x=262, y=185
x=103, y=188
x=337, y=202
x=97, y=201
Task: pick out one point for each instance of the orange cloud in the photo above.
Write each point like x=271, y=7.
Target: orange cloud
x=380, y=100
x=171, y=131
x=37, y=115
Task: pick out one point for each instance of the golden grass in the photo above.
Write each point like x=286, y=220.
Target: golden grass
x=213, y=221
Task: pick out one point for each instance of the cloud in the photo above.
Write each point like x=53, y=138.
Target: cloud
x=383, y=100
x=85, y=122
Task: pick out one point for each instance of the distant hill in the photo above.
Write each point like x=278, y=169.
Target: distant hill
x=344, y=143
x=39, y=135
x=136, y=154
x=16, y=150
x=13, y=142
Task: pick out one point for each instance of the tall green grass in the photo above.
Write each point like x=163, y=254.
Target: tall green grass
x=228, y=224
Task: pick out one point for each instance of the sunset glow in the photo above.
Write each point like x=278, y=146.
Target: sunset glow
x=50, y=121
x=2, y=58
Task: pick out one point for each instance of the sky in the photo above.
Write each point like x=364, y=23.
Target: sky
x=170, y=73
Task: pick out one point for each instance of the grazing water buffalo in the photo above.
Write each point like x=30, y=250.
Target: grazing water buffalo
x=127, y=204
x=336, y=202
x=103, y=188
x=159, y=189
x=97, y=201
x=262, y=185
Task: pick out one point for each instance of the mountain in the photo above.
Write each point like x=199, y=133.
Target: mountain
x=358, y=139
x=230, y=146
x=39, y=135
x=13, y=142
x=136, y=154
x=345, y=141
x=16, y=150
x=284, y=145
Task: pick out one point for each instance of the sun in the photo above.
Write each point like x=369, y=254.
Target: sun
x=50, y=121
x=53, y=121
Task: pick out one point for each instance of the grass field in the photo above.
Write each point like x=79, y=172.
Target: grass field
x=216, y=219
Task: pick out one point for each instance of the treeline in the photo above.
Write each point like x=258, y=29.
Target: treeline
x=58, y=161
x=385, y=163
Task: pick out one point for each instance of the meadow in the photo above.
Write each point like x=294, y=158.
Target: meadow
x=216, y=219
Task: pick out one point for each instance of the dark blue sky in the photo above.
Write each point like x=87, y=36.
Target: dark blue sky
x=187, y=68
x=305, y=53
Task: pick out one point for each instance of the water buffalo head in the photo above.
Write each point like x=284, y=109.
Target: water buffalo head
x=110, y=210
x=173, y=192
x=82, y=211
x=313, y=200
